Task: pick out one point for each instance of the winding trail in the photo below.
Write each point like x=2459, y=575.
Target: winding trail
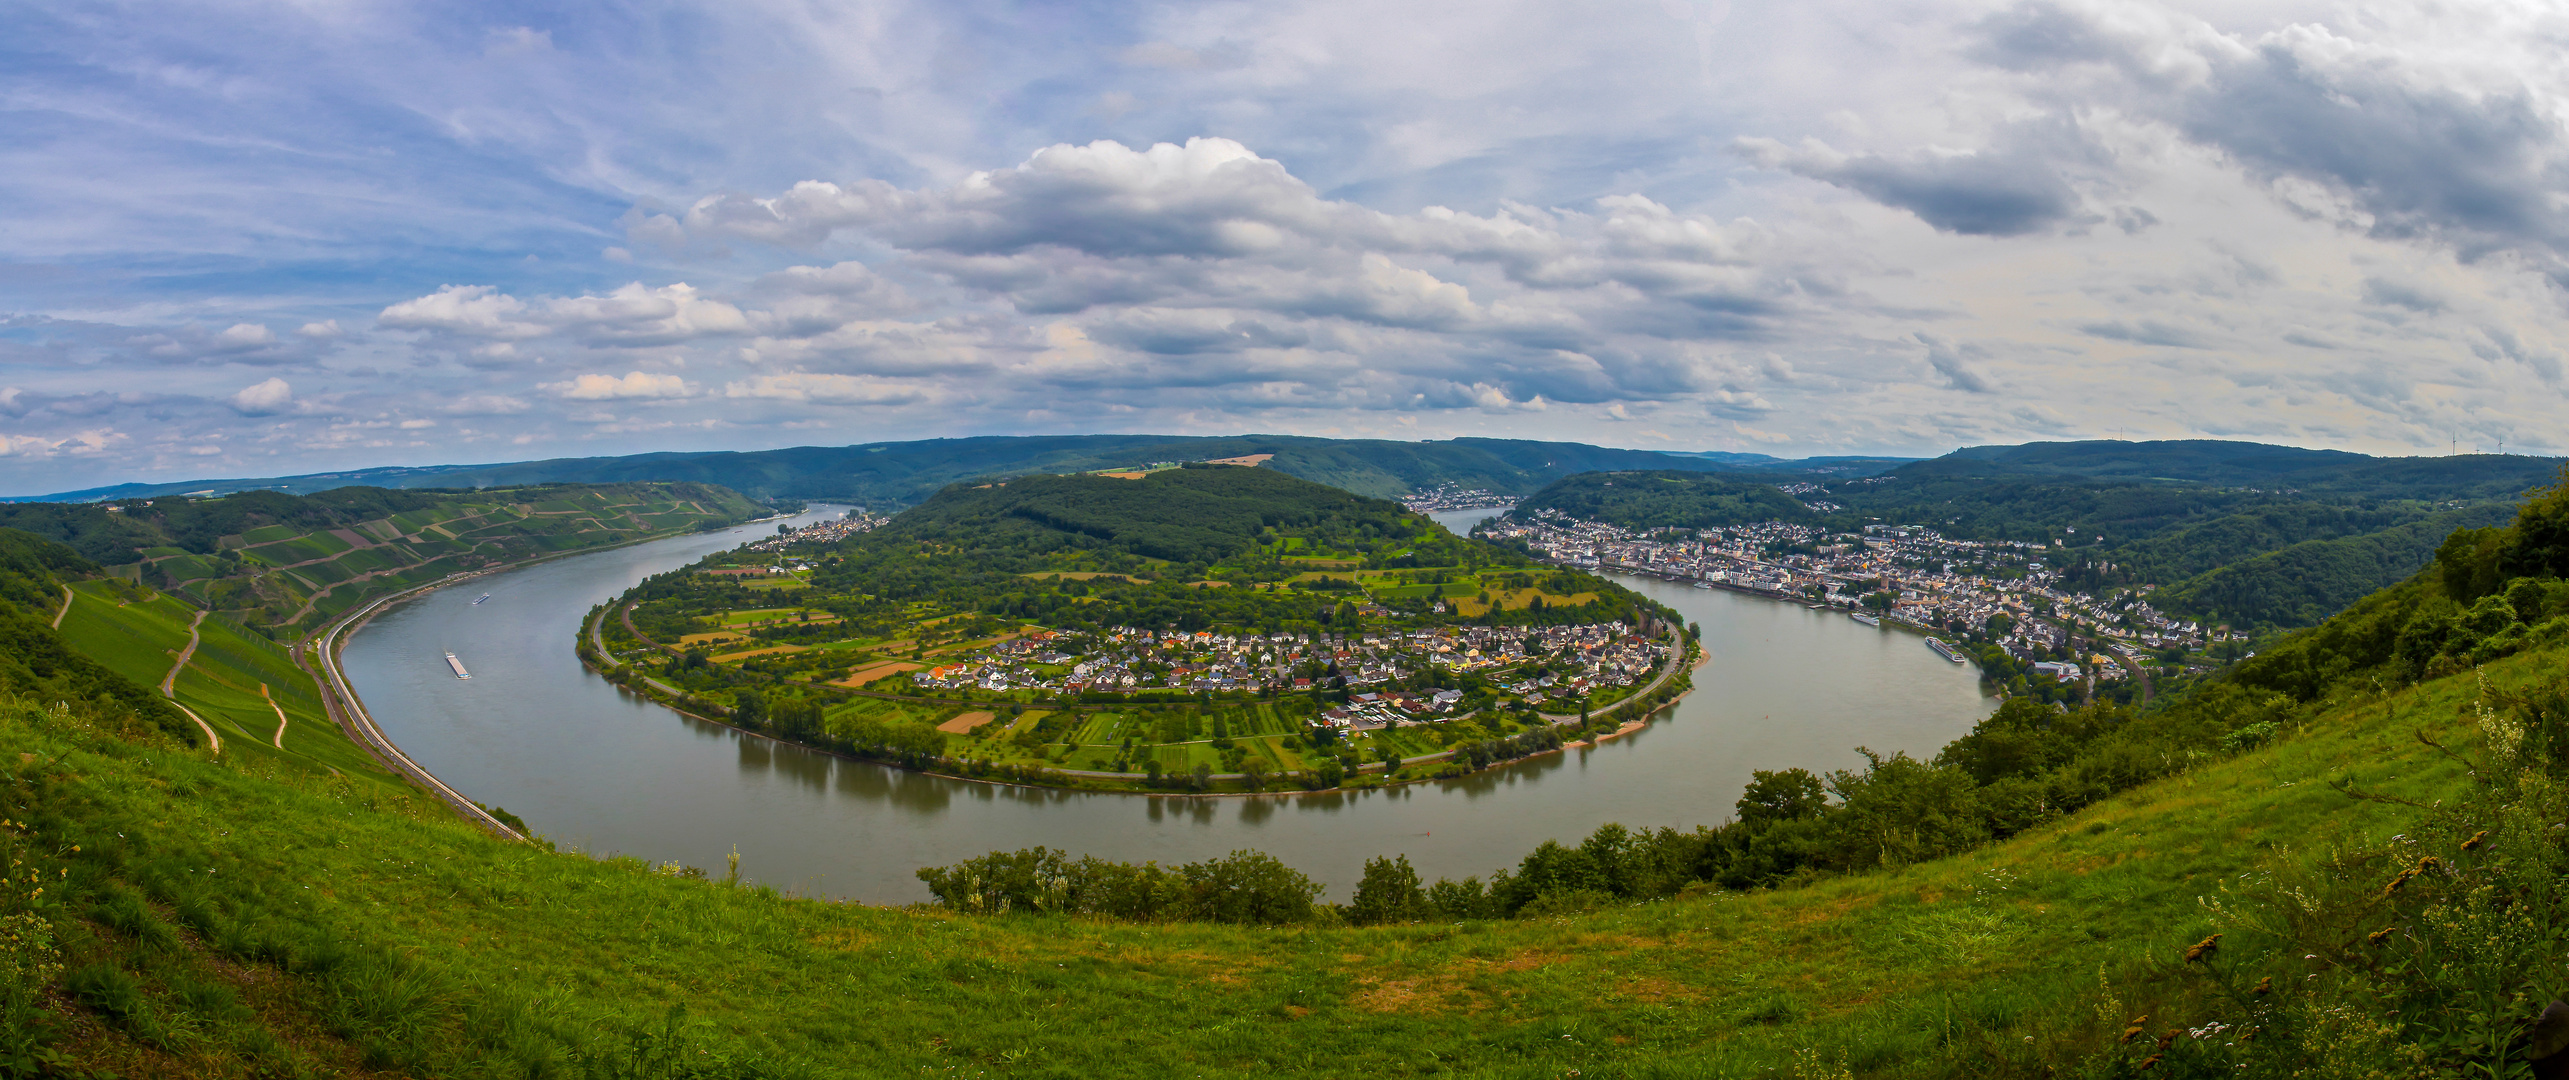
x=272, y=703
x=210, y=736
x=169, y=682
x=66, y=607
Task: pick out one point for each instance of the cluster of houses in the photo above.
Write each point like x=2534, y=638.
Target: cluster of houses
x=1445, y=497
x=821, y=532
x=1931, y=580
x=1573, y=661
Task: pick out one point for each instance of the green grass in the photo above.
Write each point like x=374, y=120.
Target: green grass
x=142, y=638
x=2025, y=955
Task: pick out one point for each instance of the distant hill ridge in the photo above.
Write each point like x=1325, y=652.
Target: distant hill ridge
x=894, y=474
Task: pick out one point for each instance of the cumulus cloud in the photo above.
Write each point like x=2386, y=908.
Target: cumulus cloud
x=632, y=315
x=265, y=398
x=632, y=384
x=827, y=389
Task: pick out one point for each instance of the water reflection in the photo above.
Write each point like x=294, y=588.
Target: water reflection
x=593, y=766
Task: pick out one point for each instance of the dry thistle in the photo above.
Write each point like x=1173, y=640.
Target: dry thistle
x=2264, y=986
x=2378, y=936
x=2203, y=949
x=2475, y=840
x=2149, y=1063
x=2133, y=1032
x=2428, y=864
x=2170, y=1038
x=2396, y=882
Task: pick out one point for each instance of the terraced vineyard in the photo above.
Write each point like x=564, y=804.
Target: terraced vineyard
x=285, y=564
x=258, y=700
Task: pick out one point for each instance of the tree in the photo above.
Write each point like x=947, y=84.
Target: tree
x=1388, y=893
x=1253, y=773
x=1202, y=779
x=1788, y=795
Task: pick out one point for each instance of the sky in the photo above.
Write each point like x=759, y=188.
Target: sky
x=250, y=239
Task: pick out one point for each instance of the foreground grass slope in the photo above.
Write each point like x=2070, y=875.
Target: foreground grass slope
x=261, y=915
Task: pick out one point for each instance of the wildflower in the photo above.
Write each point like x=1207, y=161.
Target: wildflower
x=2203, y=949
x=2396, y=882
x=2264, y=986
x=2427, y=864
x=2377, y=936
x=2133, y=1032
x=2475, y=839
x=2170, y=1038
x=2149, y=1063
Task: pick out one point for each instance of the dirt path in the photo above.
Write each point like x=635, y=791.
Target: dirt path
x=272, y=703
x=210, y=736
x=66, y=607
x=169, y=682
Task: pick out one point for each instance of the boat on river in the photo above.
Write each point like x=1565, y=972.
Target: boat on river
x=1946, y=651
x=477, y=601
x=458, y=665
x=1867, y=620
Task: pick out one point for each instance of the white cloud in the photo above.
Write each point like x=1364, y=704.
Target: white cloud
x=632, y=315
x=265, y=398
x=826, y=389
x=245, y=336
x=633, y=384
x=321, y=331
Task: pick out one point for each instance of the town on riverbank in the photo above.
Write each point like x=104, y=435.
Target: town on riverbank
x=2009, y=606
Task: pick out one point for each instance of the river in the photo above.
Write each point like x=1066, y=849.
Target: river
x=597, y=769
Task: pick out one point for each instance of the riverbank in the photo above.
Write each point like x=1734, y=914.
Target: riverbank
x=339, y=698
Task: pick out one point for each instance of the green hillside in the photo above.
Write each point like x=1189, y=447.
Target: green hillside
x=285, y=564
x=1666, y=500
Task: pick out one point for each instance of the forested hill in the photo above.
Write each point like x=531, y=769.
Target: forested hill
x=1667, y=500
x=2215, y=463
x=887, y=476
x=1202, y=514
x=285, y=563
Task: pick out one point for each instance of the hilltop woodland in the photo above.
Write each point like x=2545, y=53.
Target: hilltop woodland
x=2338, y=859
x=283, y=565
x=1262, y=594
x=2262, y=538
